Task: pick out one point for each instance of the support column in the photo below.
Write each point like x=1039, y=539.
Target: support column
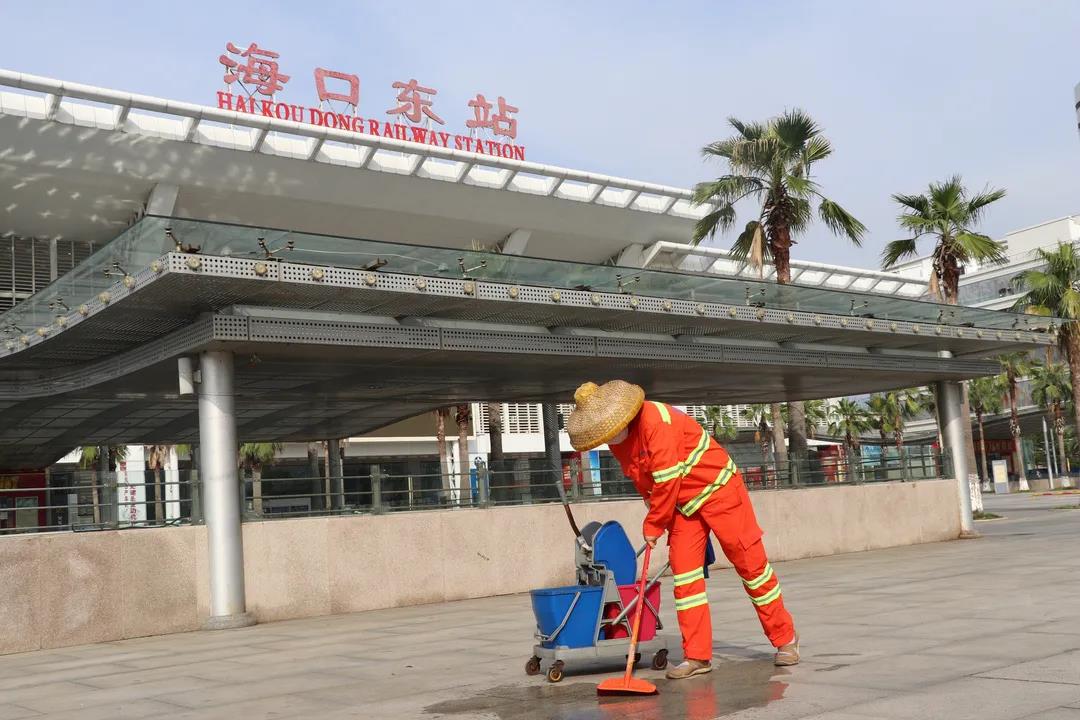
x=952, y=430
x=337, y=482
x=552, y=451
x=221, y=503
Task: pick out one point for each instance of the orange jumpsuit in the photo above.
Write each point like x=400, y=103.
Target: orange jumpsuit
x=692, y=486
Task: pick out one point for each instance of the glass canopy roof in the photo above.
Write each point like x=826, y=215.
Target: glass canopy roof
x=154, y=236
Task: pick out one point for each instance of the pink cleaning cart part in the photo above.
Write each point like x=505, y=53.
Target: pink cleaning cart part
x=648, y=621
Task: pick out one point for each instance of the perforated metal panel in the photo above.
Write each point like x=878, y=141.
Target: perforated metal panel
x=318, y=331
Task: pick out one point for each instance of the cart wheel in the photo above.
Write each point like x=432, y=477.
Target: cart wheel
x=532, y=666
x=659, y=660
x=555, y=672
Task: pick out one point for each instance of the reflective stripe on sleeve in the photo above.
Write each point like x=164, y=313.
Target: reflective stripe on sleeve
x=721, y=480
x=683, y=468
x=662, y=409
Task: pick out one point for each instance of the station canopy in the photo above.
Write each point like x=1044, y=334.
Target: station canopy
x=396, y=288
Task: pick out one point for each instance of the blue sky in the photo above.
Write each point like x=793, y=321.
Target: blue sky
x=908, y=92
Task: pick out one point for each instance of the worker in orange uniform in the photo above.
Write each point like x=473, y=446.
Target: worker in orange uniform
x=692, y=487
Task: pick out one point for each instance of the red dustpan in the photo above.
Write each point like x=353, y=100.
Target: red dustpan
x=627, y=684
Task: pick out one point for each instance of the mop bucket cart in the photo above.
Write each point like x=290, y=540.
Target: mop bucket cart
x=589, y=623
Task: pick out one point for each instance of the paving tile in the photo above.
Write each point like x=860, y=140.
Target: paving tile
x=1063, y=668
x=973, y=699
x=897, y=672
x=1016, y=646
x=115, y=696
x=1063, y=713
x=300, y=682
x=285, y=706
x=16, y=712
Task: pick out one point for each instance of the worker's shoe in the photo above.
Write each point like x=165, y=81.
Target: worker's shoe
x=689, y=668
x=787, y=655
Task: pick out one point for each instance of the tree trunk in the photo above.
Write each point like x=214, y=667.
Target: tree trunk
x=976, y=489
x=464, y=476
x=780, y=454
x=495, y=431
x=256, y=489
x=159, y=492
x=780, y=246
x=1018, y=448
x=884, y=451
x=798, y=430
x=951, y=282
x=318, y=499
x=1063, y=463
x=982, y=450
x=969, y=436
x=1072, y=351
x=95, y=497
x=440, y=441
x=113, y=513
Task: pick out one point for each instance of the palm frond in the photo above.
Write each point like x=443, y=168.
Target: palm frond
x=896, y=251
x=721, y=218
x=751, y=246
x=841, y=222
x=748, y=130
x=795, y=128
x=978, y=247
x=818, y=148
x=919, y=204
x=979, y=202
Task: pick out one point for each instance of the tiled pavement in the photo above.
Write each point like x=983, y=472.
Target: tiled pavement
x=975, y=629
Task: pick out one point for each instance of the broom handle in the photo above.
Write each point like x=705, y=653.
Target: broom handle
x=637, y=613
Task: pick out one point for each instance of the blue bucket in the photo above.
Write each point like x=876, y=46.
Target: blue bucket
x=550, y=606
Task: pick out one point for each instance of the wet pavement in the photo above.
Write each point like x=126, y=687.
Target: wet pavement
x=982, y=629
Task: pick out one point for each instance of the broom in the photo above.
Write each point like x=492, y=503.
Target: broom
x=627, y=684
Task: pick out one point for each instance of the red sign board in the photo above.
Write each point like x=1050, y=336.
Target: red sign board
x=253, y=77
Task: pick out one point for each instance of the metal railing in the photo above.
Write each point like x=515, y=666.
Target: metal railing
x=87, y=500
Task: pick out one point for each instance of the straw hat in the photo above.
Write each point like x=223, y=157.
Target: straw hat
x=602, y=412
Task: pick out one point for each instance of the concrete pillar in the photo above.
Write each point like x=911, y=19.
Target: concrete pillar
x=217, y=469
x=553, y=452
x=337, y=482
x=952, y=431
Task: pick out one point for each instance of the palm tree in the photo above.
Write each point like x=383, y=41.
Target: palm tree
x=816, y=413
x=758, y=415
x=253, y=456
x=771, y=163
x=880, y=417
x=156, y=458
x=1051, y=388
x=947, y=214
x=463, y=417
x=718, y=423
x=1056, y=291
x=891, y=411
x=1015, y=366
x=849, y=420
x=89, y=458
x=440, y=439
x=987, y=398
x=318, y=491
x=495, y=431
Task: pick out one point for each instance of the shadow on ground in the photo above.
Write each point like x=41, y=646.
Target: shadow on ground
x=732, y=686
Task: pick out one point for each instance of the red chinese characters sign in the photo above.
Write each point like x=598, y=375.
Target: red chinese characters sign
x=253, y=77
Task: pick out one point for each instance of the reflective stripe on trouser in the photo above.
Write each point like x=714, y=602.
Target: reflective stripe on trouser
x=730, y=517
